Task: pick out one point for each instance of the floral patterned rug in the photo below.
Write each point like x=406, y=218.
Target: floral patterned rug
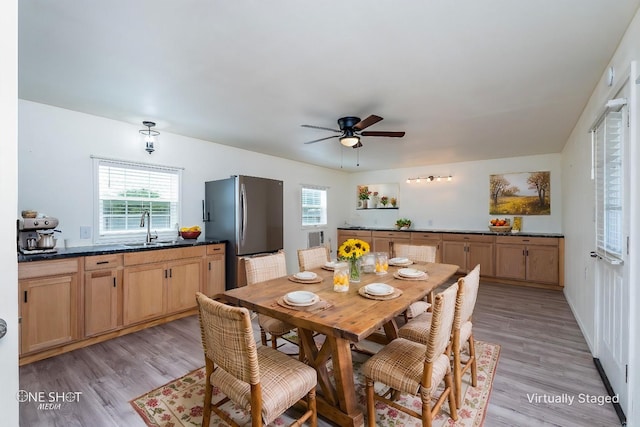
x=179, y=403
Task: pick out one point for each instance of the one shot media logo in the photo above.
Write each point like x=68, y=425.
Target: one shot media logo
x=48, y=400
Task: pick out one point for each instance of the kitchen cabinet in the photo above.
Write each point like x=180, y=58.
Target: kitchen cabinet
x=383, y=240
x=364, y=235
x=214, y=273
x=154, y=289
x=468, y=250
x=534, y=259
x=102, y=293
x=48, y=304
x=428, y=239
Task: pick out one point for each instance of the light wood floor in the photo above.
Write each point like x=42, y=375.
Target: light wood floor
x=543, y=352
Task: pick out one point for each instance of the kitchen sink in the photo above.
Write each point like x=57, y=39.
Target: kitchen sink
x=153, y=244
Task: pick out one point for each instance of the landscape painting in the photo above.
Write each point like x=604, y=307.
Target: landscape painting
x=525, y=193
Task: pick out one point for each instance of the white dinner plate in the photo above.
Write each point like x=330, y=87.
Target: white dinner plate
x=378, y=289
x=305, y=275
x=330, y=264
x=399, y=261
x=301, y=298
x=410, y=272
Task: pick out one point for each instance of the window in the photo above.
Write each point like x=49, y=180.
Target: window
x=314, y=206
x=609, y=179
x=126, y=190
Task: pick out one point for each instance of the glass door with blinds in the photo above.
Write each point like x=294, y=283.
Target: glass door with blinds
x=610, y=139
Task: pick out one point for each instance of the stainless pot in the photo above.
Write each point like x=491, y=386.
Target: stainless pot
x=46, y=241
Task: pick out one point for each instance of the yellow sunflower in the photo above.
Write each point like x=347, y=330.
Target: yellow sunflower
x=353, y=248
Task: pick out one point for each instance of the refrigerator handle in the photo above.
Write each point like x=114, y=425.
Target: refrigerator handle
x=204, y=219
x=243, y=195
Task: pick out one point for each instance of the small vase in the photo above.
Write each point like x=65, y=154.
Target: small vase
x=354, y=270
x=364, y=204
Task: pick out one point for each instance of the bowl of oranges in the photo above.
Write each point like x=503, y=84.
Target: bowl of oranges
x=500, y=225
x=189, y=233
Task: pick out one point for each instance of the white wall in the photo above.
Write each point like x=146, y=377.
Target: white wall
x=55, y=170
x=578, y=221
x=8, y=190
x=461, y=204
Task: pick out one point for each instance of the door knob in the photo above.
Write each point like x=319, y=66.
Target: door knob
x=3, y=328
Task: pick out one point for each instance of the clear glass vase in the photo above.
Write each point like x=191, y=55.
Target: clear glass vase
x=354, y=270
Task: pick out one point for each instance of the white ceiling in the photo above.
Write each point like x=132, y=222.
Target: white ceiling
x=466, y=79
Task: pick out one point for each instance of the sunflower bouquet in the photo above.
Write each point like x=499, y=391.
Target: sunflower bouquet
x=351, y=251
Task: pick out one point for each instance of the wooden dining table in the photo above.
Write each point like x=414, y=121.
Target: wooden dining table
x=343, y=318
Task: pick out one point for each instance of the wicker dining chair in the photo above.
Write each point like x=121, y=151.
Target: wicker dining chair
x=462, y=331
x=410, y=367
x=260, y=269
x=416, y=253
x=257, y=378
x=311, y=258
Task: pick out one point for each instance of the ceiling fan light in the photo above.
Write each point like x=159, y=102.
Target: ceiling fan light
x=349, y=141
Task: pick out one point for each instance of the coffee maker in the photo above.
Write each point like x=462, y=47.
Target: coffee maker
x=35, y=235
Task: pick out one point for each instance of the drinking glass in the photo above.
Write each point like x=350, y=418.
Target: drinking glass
x=382, y=263
x=341, y=277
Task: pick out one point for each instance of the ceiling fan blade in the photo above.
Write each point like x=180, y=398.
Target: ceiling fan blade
x=321, y=139
x=371, y=120
x=320, y=127
x=383, y=133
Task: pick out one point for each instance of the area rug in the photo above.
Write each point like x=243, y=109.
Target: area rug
x=179, y=403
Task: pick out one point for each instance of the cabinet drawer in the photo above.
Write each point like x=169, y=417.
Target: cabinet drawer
x=28, y=270
x=522, y=240
x=161, y=255
x=357, y=233
x=391, y=234
x=468, y=238
x=215, y=249
x=416, y=235
x=103, y=261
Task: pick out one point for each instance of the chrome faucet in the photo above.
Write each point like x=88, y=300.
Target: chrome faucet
x=148, y=215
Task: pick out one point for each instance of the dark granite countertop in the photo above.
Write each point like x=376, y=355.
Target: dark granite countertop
x=112, y=249
x=481, y=232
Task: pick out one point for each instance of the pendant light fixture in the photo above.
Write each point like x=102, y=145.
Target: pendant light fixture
x=149, y=136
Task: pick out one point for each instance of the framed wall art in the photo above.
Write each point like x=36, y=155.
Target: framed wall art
x=524, y=193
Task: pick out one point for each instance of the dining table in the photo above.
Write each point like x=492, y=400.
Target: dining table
x=343, y=318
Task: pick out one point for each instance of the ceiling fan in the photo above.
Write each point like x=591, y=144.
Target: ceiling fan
x=352, y=128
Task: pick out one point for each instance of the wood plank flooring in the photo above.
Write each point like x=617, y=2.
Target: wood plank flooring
x=543, y=352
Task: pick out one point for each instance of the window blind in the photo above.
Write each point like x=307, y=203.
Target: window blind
x=126, y=190
x=314, y=206
x=609, y=186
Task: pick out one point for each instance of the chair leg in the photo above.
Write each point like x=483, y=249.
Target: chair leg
x=208, y=391
x=474, y=365
x=457, y=376
x=274, y=342
x=452, y=398
x=263, y=336
x=311, y=403
x=371, y=404
x=427, y=415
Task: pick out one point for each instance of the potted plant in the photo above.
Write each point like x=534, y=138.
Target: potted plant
x=394, y=202
x=403, y=223
x=363, y=195
x=374, y=199
x=384, y=200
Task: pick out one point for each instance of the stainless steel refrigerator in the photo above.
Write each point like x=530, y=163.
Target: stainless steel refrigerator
x=245, y=211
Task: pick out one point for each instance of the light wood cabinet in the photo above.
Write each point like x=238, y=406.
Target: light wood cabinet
x=534, y=259
x=383, y=240
x=468, y=250
x=48, y=304
x=167, y=286
x=214, y=273
x=102, y=293
x=364, y=235
x=428, y=239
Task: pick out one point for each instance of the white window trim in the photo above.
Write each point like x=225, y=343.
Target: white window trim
x=314, y=226
x=131, y=236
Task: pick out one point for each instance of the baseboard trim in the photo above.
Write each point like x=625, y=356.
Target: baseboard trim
x=607, y=385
